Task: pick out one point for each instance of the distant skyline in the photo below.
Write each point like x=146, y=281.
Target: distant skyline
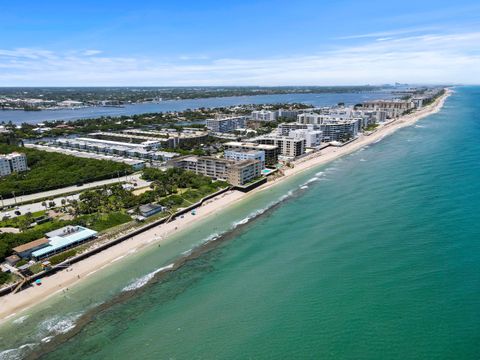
x=215, y=43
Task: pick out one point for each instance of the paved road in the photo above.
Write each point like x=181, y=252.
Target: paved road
x=37, y=206
x=71, y=189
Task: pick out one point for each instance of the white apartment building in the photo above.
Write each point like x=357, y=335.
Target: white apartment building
x=223, y=125
x=284, y=129
x=333, y=129
x=311, y=133
x=287, y=146
x=310, y=118
x=393, y=108
x=341, y=130
x=270, y=151
x=241, y=155
x=264, y=115
x=313, y=138
x=13, y=163
x=317, y=119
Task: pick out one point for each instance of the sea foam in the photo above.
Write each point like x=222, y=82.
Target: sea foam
x=57, y=325
x=142, y=281
x=17, y=353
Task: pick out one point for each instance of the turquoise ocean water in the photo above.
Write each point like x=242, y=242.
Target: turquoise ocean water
x=374, y=256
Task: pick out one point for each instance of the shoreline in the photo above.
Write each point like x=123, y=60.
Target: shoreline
x=12, y=304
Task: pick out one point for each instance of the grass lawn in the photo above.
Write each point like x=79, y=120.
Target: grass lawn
x=16, y=221
x=101, y=222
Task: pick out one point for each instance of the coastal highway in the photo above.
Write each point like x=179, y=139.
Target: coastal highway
x=72, y=189
x=34, y=207
x=37, y=206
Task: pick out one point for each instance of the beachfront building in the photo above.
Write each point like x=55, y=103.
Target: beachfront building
x=25, y=250
x=370, y=116
x=264, y=115
x=311, y=133
x=341, y=130
x=55, y=242
x=393, y=108
x=241, y=173
x=313, y=138
x=150, y=209
x=270, y=151
x=287, y=146
x=226, y=124
x=13, y=163
x=313, y=118
x=241, y=155
x=284, y=129
x=334, y=128
x=206, y=165
x=236, y=173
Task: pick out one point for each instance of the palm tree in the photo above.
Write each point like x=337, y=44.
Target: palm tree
x=63, y=202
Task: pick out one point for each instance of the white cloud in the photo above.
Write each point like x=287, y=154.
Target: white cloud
x=388, y=33
x=91, y=52
x=430, y=58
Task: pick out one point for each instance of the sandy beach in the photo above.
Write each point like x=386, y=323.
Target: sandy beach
x=13, y=304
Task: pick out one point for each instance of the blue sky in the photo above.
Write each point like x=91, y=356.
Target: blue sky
x=155, y=43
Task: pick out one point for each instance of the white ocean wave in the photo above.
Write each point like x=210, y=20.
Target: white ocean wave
x=142, y=281
x=241, y=222
x=20, y=320
x=57, y=325
x=187, y=252
x=259, y=212
x=211, y=237
x=17, y=353
x=47, y=339
x=282, y=198
x=309, y=181
x=363, y=160
x=304, y=187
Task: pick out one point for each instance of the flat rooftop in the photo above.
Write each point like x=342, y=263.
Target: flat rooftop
x=109, y=142
x=251, y=145
x=251, y=152
x=67, y=236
